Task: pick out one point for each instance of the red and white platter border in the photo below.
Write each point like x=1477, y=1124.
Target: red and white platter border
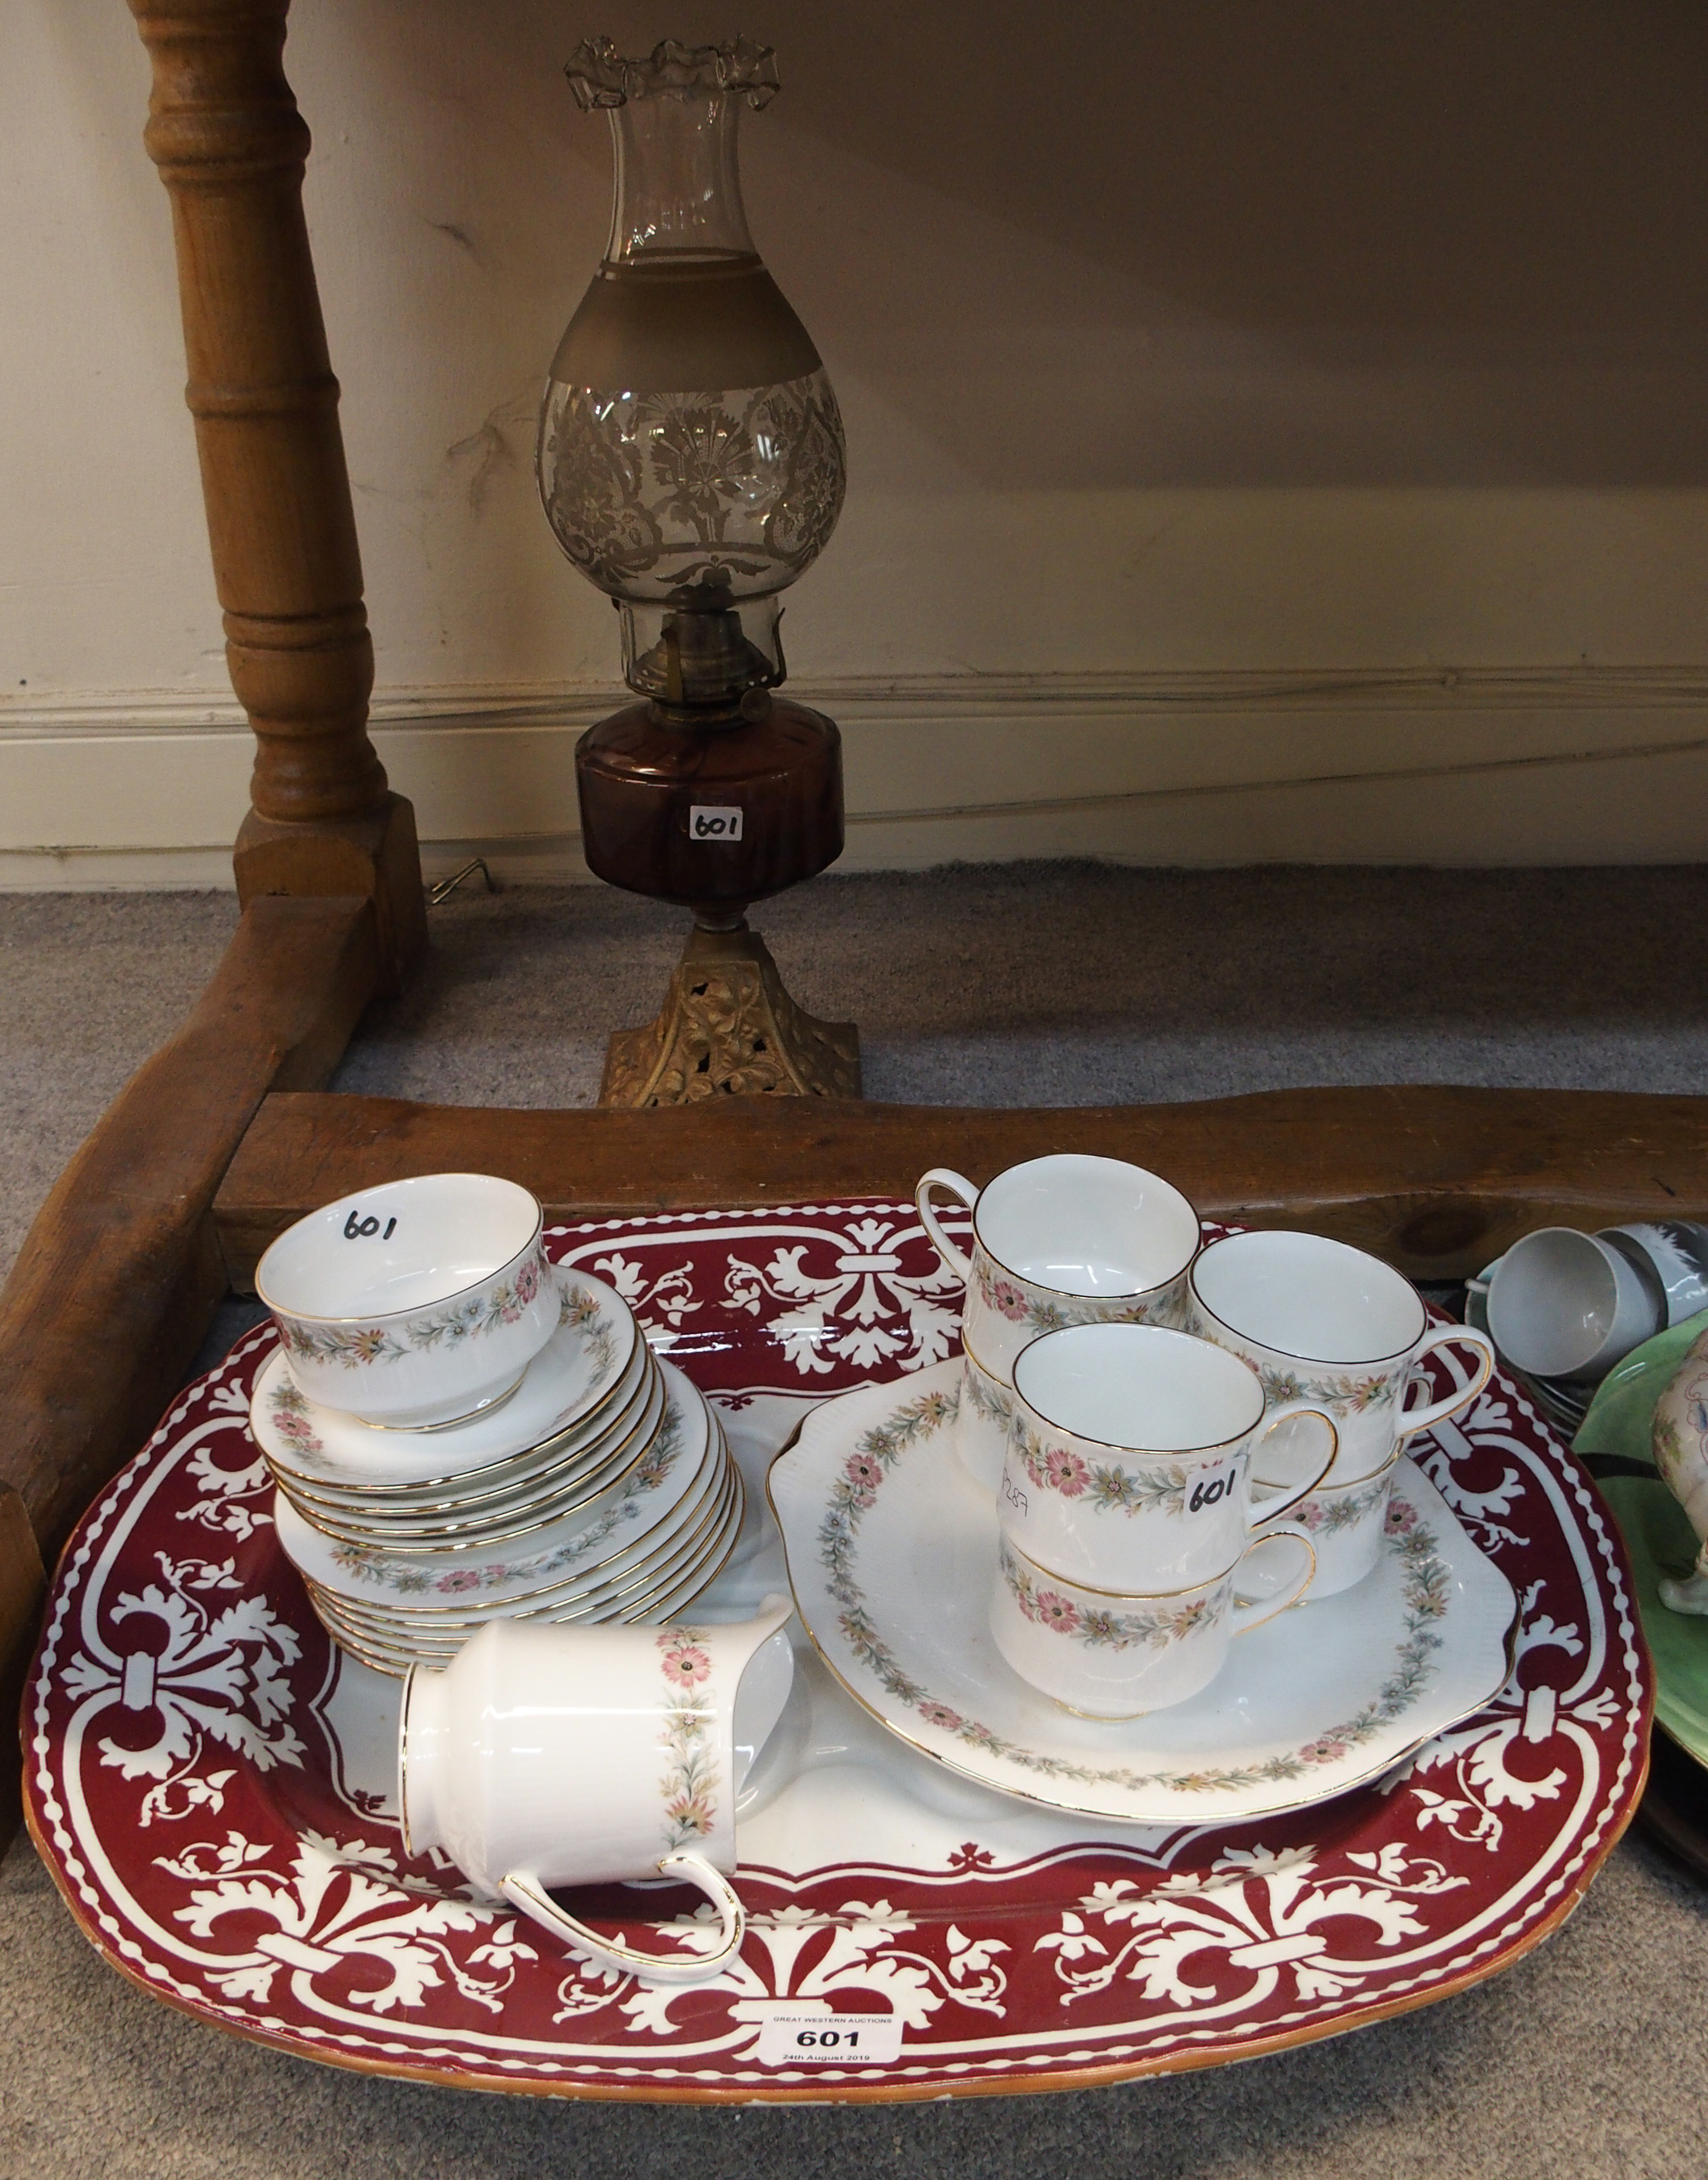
x=208, y=1778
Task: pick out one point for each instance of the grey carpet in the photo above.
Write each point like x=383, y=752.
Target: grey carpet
x=1077, y=984
x=1025, y=984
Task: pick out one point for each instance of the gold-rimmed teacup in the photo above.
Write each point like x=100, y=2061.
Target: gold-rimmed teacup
x=419, y=1302
x=1060, y=1241
x=984, y=1420
x=1128, y=1458
x=1114, y=1654
x=1323, y=1322
x=1346, y=1522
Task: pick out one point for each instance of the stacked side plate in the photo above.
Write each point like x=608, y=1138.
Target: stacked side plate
x=601, y=1489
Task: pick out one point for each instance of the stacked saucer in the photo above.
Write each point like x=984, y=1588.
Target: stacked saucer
x=599, y=1486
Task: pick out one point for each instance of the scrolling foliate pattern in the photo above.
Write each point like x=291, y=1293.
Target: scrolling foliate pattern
x=648, y=492
x=211, y=1789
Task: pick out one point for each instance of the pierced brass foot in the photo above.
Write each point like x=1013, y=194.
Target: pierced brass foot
x=729, y=1029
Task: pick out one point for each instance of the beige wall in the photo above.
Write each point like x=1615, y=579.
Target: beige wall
x=1276, y=431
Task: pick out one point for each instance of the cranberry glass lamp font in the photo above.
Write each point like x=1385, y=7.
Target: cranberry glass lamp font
x=691, y=465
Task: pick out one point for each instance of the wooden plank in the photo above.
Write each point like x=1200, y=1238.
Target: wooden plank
x=121, y=1272
x=1436, y=1180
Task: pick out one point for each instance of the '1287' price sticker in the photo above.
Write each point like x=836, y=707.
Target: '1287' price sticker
x=830, y=2039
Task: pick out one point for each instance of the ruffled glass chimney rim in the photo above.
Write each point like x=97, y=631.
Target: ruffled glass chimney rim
x=691, y=457
x=599, y=76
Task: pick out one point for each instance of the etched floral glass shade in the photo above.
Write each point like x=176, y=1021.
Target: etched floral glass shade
x=691, y=457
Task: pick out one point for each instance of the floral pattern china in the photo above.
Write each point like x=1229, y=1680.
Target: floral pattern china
x=1100, y=1629
x=588, y=1357
x=890, y=1547
x=691, y=1781
x=465, y=1319
x=646, y=1493
x=1020, y=1304
x=210, y=1783
x=1112, y=1486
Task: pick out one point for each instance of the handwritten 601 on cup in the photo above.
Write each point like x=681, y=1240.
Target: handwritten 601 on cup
x=357, y=1228
x=714, y=822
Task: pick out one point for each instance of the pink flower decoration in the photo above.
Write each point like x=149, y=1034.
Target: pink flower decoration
x=1056, y=1611
x=528, y=1281
x=1322, y=1752
x=1401, y=1518
x=1065, y=1472
x=687, y=1666
x=861, y=1469
x=1008, y=1299
x=465, y=1578
x=939, y=1713
x=692, y=1813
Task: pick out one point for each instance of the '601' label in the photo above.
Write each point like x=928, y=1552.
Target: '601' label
x=830, y=2039
x=1210, y=1490
x=713, y=822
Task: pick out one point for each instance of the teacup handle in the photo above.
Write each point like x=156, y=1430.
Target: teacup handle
x=1249, y=1612
x=1437, y=1412
x=1265, y=1509
x=523, y=1889
x=957, y=1184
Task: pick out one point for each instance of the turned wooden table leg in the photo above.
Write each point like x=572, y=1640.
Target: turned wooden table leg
x=224, y=131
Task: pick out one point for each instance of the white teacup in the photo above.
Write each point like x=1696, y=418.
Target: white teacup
x=1563, y=1304
x=1110, y=1655
x=983, y=1419
x=418, y=1303
x=1128, y=1459
x=1321, y=1321
x=1346, y=1523
x=550, y=1756
x=1063, y=1239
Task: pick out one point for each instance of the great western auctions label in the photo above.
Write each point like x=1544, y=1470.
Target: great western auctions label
x=830, y=2039
x=712, y=822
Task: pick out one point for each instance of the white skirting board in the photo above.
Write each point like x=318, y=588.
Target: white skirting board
x=1427, y=765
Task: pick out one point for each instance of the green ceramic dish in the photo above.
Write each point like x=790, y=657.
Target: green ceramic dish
x=1658, y=1536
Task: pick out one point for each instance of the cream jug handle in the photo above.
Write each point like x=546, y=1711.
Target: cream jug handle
x=1437, y=1412
x=957, y=1184
x=523, y=1889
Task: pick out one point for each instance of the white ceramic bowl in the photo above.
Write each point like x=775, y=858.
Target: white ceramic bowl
x=420, y=1302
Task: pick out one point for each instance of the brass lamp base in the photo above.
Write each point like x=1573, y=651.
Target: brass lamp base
x=729, y=1029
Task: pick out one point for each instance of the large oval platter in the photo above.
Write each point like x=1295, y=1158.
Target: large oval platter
x=210, y=1782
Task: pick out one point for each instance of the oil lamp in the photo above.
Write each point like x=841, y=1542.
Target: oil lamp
x=691, y=463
